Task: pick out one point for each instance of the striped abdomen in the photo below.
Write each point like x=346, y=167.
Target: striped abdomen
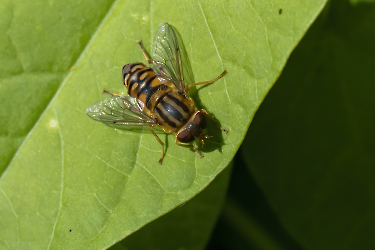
x=173, y=111
x=143, y=84
x=161, y=98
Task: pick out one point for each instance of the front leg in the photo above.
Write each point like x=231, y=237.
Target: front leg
x=190, y=146
x=213, y=121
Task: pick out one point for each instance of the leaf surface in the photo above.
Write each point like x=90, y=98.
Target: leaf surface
x=76, y=183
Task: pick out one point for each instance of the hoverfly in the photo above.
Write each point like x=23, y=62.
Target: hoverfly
x=157, y=96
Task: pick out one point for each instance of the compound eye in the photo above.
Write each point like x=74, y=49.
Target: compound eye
x=185, y=136
x=200, y=120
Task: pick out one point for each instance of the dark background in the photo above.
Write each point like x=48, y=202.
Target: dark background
x=304, y=176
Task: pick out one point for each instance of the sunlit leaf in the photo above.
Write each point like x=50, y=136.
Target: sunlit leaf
x=70, y=182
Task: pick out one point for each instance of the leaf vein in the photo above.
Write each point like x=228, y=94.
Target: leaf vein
x=264, y=26
x=62, y=176
x=217, y=50
x=109, y=210
x=109, y=165
x=153, y=176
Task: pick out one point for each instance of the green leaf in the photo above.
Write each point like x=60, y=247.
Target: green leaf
x=71, y=182
x=186, y=227
x=38, y=45
x=311, y=144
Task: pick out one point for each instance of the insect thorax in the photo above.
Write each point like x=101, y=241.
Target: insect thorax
x=161, y=98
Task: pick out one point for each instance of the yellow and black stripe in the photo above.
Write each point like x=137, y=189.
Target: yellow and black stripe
x=174, y=110
x=161, y=98
x=143, y=84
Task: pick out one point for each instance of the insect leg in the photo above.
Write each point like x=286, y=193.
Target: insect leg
x=145, y=54
x=205, y=82
x=161, y=143
x=107, y=92
x=212, y=119
x=148, y=59
x=190, y=146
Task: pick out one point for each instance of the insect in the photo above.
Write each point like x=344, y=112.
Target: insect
x=157, y=96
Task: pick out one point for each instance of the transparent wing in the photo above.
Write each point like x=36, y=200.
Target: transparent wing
x=120, y=110
x=166, y=53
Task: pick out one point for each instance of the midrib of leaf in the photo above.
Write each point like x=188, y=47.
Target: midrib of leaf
x=61, y=86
